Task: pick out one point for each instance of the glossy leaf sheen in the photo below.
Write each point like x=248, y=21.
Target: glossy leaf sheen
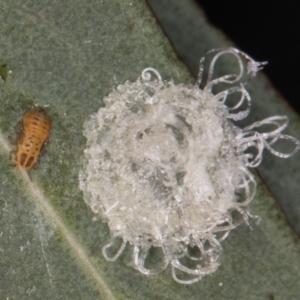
x=68, y=55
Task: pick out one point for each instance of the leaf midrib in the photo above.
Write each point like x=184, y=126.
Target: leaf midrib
x=77, y=248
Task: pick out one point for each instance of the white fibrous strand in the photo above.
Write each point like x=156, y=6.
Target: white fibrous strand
x=168, y=171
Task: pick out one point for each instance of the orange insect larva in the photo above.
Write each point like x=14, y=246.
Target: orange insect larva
x=32, y=136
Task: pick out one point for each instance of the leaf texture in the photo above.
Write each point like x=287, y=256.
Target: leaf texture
x=67, y=55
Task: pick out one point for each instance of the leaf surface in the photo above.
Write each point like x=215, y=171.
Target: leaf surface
x=68, y=55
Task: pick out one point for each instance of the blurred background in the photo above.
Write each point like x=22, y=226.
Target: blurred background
x=266, y=30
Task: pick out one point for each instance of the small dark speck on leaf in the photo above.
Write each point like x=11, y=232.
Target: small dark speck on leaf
x=3, y=71
x=131, y=27
x=270, y=296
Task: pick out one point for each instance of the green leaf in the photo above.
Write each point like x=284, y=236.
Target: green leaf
x=67, y=55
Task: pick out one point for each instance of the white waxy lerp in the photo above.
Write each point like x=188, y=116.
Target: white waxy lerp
x=165, y=166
